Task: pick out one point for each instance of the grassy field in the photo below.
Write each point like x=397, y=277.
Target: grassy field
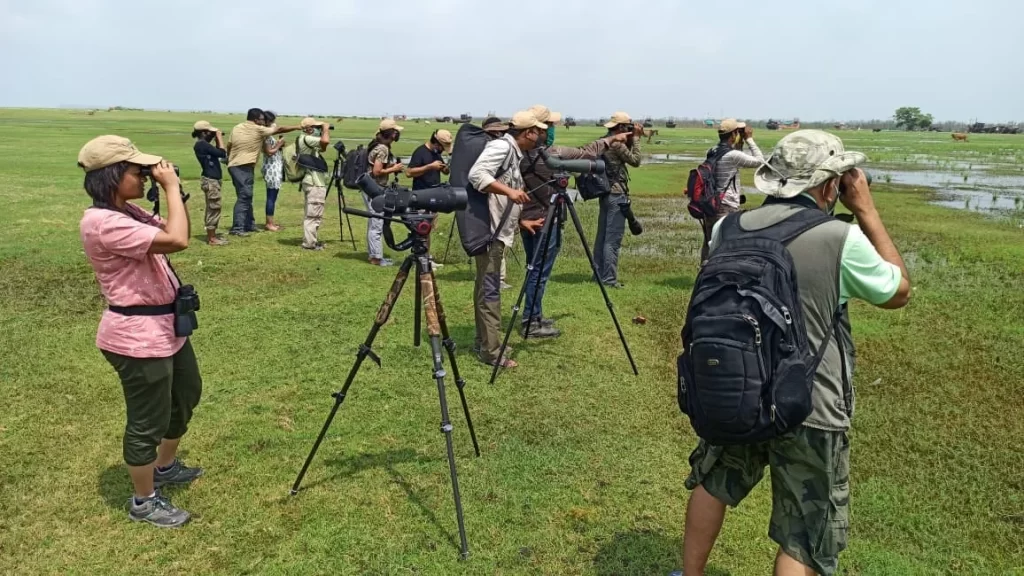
x=582, y=463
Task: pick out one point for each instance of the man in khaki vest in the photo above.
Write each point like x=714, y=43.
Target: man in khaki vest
x=810, y=466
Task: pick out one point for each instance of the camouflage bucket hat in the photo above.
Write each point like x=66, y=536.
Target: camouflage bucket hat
x=803, y=160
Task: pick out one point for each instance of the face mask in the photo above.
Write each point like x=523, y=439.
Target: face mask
x=551, y=136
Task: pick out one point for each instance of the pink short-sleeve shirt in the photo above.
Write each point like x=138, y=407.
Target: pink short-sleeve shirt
x=117, y=246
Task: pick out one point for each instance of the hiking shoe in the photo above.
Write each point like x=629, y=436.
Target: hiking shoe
x=177, y=474
x=538, y=330
x=505, y=285
x=545, y=322
x=158, y=511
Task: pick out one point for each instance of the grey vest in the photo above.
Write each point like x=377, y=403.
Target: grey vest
x=817, y=254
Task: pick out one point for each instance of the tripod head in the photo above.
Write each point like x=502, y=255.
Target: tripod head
x=419, y=226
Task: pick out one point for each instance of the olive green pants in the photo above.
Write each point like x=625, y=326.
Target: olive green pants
x=159, y=395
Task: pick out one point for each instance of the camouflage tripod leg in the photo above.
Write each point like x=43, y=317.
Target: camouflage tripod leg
x=365, y=349
x=430, y=307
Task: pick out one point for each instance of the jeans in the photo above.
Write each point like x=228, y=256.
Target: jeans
x=242, y=218
x=611, y=226
x=271, y=200
x=535, y=294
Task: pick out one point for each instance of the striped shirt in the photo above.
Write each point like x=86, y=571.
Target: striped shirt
x=728, y=169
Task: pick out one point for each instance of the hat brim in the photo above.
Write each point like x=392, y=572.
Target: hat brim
x=144, y=159
x=554, y=117
x=771, y=183
x=496, y=128
x=612, y=124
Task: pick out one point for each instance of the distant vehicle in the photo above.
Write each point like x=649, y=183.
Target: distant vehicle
x=443, y=119
x=772, y=125
x=462, y=119
x=648, y=123
x=600, y=123
x=670, y=124
x=569, y=121
x=982, y=128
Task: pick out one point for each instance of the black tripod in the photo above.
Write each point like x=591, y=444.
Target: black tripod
x=419, y=226
x=556, y=216
x=336, y=178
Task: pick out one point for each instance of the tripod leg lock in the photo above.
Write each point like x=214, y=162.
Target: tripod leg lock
x=440, y=373
x=338, y=396
x=449, y=345
x=365, y=351
x=446, y=428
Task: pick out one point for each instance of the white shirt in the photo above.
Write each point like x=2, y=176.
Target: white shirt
x=502, y=152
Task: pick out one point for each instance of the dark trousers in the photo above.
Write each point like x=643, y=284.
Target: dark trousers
x=611, y=226
x=159, y=396
x=708, y=225
x=487, y=301
x=242, y=218
x=535, y=295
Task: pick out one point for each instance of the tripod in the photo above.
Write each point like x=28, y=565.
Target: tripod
x=335, y=181
x=556, y=216
x=419, y=226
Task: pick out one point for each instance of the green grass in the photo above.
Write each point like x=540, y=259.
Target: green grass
x=583, y=463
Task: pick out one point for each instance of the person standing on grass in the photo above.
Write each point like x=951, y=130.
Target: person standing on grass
x=496, y=172
x=273, y=169
x=126, y=247
x=243, y=151
x=210, y=156
x=834, y=262
x=314, y=183
x=382, y=164
x=731, y=136
x=611, y=223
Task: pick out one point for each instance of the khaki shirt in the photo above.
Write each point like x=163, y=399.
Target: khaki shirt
x=247, y=143
x=383, y=154
x=308, y=144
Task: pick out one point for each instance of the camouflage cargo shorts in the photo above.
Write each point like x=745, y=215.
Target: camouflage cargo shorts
x=810, y=475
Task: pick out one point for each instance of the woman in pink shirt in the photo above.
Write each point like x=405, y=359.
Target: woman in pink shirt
x=127, y=248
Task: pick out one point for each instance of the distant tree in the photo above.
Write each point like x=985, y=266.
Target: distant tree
x=911, y=118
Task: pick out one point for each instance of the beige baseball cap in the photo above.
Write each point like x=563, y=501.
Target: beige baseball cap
x=309, y=122
x=730, y=124
x=544, y=115
x=389, y=124
x=203, y=125
x=618, y=118
x=104, y=151
x=445, y=138
x=525, y=119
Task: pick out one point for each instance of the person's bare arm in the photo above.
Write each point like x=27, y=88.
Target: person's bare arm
x=285, y=129
x=175, y=233
x=421, y=170
x=325, y=136
x=219, y=136
x=857, y=198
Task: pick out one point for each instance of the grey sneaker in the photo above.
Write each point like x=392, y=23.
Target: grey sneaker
x=505, y=285
x=158, y=511
x=538, y=330
x=315, y=248
x=177, y=474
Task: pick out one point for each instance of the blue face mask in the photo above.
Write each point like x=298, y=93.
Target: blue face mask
x=551, y=135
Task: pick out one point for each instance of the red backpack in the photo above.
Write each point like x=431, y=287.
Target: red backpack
x=701, y=188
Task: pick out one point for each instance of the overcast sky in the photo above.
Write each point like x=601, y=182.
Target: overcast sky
x=813, y=59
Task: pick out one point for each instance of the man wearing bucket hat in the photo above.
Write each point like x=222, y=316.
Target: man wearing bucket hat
x=126, y=247
x=611, y=223
x=426, y=164
x=382, y=164
x=314, y=182
x=834, y=262
x=732, y=134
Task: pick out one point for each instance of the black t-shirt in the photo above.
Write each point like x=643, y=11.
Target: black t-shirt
x=422, y=157
x=209, y=158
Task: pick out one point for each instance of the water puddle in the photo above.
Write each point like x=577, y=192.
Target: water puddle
x=974, y=191
x=669, y=159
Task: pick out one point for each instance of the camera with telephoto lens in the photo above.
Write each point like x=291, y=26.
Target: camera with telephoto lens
x=398, y=200
x=186, y=304
x=635, y=228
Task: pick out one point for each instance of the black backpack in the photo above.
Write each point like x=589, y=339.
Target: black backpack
x=357, y=163
x=593, y=186
x=702, y=186
x=474, y=221
x=746, y=371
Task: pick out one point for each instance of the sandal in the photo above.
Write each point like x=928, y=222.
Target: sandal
x=505, y=362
